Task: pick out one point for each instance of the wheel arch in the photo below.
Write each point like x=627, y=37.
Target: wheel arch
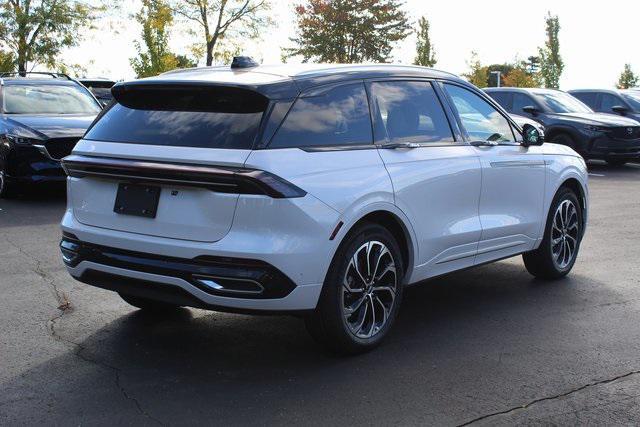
x=394, y=220
x=574, y=185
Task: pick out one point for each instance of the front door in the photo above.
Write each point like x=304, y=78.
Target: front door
x=436, y=177
x=513, y=178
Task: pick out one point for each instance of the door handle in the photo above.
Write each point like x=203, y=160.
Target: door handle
x=484, y=143
x=394, y=145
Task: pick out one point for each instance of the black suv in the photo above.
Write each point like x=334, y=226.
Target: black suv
x=42, y=116
x=622, y=102
x=101, y=88
x=570, y=122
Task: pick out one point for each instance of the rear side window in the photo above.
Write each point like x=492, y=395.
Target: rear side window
x=502, y=98
x=409, y=112
x=206, y=117
x=588, y=98
x=337, y=116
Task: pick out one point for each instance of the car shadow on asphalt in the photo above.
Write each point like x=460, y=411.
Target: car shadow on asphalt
x=33, y=206
x=239, y=367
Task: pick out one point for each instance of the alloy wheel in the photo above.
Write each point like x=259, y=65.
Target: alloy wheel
x=369, y=289
x=564, y=234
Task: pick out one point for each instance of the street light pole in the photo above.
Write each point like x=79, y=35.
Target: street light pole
x=498, y=75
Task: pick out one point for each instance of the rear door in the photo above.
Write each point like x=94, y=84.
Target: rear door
x=202, y=126
x=513, y=177
x=325, y=146
x=436, y=176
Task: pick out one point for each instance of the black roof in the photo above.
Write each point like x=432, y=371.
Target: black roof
x=286, y=81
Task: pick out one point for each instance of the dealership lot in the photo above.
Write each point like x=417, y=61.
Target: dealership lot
x=489, y=345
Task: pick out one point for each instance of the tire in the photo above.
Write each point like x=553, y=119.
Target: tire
x=616, y=162
x=558, y=251
x=147, y=304
x=377, y=302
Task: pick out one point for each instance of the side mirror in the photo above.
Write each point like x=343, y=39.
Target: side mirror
x=531, y=136
x=619, y=109
x=530, y=109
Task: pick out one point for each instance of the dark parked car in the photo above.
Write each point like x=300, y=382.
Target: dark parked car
x=101, y=88
x=570, y=122
x=622, y=102
x=42, y=116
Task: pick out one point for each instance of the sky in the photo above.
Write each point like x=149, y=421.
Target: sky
x=596, y=37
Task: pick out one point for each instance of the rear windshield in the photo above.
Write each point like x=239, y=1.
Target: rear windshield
x=48, y=99
x=186, y=117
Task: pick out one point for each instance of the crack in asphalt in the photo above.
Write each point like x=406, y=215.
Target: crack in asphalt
x=544, y=399
x=64, y=307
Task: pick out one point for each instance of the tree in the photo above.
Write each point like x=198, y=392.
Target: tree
x=220, y=19
x=35, y=31
x=519, y=76
x=628, y=78
x=478, y=74
x=426, y=55
x=348, y=31
x=551, y=64
x=7, y=62
x=156, y=17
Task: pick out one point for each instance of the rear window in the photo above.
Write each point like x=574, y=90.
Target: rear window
x=207, y=117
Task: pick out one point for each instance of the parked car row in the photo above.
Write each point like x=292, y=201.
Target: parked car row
x=598, y=124
x=42, y=117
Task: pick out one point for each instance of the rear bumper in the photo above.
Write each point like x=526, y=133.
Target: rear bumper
x=283, y=244
x=178, y=291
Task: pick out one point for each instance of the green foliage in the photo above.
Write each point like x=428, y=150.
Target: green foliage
x=478, y=74
x=36, y=31
x=551, y=64
x=218, y=20
x=425, y=54
x=7, y=62
x=156, y=18
x=348, y=31
x=628, y=78
x=521, y=76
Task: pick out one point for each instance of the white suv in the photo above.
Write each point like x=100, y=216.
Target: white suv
x=318, y=191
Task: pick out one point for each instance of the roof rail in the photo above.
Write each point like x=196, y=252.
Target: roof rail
x=41, y=73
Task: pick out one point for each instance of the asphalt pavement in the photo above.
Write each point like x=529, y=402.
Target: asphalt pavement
x=488, y=346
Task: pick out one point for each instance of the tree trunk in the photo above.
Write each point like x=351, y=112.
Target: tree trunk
x=209, y=55
x=22, y=65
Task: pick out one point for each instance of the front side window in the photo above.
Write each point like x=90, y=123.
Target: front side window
x=609, y=101
x=633, y=99
x=47, y=99
x=409, y=112
x=337, y=116
x=480, y=119
x=520, y=100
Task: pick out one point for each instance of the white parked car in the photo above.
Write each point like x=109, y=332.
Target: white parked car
x=319, y=191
